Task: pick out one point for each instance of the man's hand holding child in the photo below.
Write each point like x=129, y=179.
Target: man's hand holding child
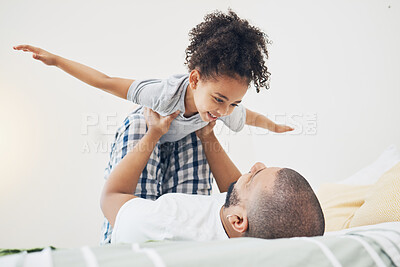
x=206, y=131
x=156, y=123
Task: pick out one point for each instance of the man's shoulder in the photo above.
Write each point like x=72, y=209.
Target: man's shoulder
x=170, y=200
x=191, y=198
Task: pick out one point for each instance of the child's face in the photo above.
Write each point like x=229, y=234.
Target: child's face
x=218, y=98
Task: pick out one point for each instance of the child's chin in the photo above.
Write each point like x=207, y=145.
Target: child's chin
x=204, y=117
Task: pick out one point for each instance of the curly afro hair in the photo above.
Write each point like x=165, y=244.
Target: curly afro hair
x=224, y=44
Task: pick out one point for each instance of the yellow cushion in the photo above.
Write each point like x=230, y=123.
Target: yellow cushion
x=339, y=203
x=382, y=203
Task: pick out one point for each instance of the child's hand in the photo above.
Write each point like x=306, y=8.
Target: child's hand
x=280, y=128
x=206, y=130
x=38, y=54
x=157, y=123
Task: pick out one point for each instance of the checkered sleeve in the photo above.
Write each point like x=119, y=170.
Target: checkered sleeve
x=172, y=167
x=126, y=137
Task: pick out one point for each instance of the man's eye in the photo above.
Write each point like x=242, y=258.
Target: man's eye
x=219, y=99
x=235, y=105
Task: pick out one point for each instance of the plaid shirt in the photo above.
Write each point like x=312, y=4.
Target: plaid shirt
x=173, y=167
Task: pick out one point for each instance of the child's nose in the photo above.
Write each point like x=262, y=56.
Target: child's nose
x=223, y=111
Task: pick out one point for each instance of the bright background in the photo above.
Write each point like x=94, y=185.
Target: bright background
x=335, y=77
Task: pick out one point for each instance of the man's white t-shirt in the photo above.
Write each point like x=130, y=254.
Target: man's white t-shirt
x=173, y=216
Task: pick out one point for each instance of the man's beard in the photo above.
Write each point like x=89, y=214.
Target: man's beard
x=232, y=197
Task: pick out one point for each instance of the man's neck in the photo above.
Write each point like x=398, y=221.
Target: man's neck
x=222, y=217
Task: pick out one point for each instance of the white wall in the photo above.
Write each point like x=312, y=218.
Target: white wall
x=336, y=60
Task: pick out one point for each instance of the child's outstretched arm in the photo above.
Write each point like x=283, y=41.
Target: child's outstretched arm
x=115, y=86
x=259, y=120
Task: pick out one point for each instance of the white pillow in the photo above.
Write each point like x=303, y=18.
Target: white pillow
x=370, y=174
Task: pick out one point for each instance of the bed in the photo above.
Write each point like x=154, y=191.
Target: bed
x=376, y=245
x=362, y=216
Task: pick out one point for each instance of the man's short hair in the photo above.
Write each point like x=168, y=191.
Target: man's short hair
x=289, y=209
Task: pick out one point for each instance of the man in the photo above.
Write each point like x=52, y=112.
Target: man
x=264, y=203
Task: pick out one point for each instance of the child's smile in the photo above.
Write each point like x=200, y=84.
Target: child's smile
x=214, y=98
x=212, y=117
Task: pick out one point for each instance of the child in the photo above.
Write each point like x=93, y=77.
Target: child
x=225, y=54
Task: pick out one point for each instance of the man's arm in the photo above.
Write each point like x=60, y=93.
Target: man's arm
x=115, y=86
x=223, y=169
x=259, y=120
x=124, y=177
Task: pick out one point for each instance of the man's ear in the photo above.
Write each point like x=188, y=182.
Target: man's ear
x=239, y=223
x=194, y=78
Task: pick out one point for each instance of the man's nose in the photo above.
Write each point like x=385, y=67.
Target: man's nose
x=257, y=167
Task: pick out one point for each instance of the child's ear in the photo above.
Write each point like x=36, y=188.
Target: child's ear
x=194, y=78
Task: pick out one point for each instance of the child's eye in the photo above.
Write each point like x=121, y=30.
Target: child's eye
x=219, y=100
